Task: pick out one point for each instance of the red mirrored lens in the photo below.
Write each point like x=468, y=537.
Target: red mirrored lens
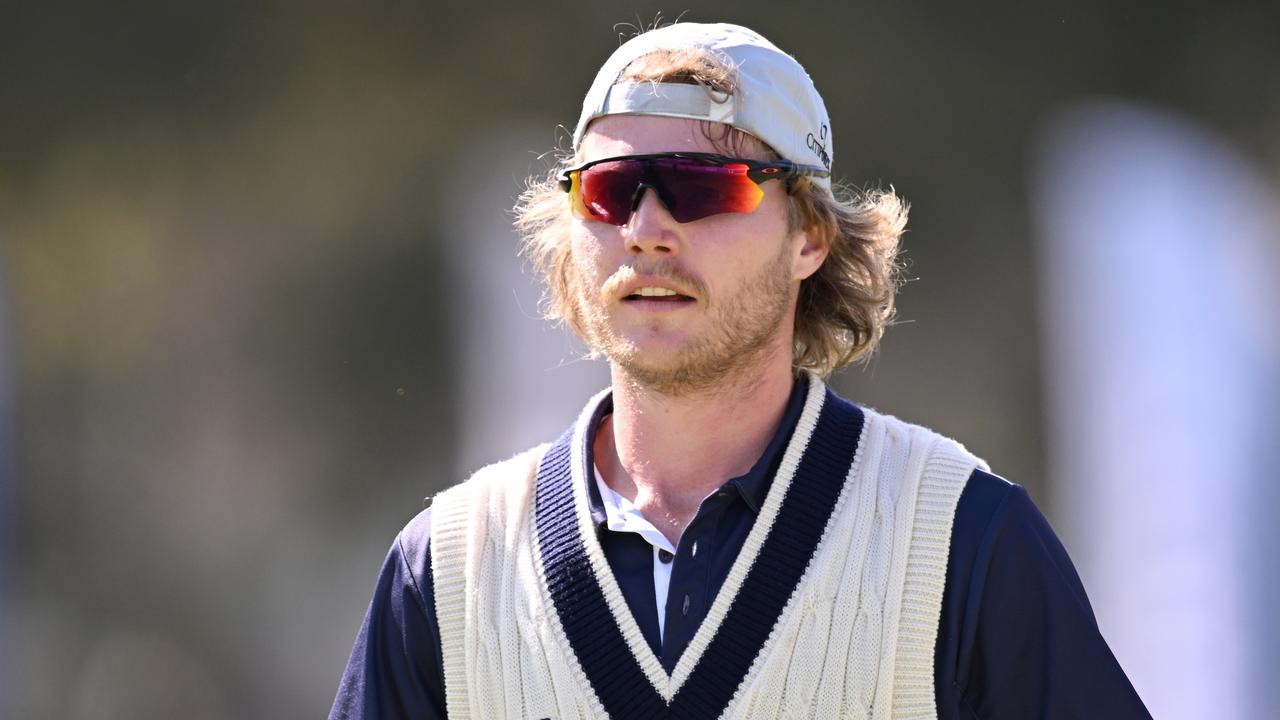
x=697, y=190
x=690, y=189
x=607, y=190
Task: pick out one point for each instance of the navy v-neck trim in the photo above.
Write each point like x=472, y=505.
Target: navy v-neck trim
x=594, y=634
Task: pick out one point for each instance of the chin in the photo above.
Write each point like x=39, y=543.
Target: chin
x=672, y=371
x=645, y=357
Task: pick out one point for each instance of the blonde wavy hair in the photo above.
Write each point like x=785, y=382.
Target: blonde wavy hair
x=843, y=308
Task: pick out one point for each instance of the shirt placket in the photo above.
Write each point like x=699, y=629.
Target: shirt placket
x=687, y=599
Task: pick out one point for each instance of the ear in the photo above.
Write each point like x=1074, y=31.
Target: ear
x=810, y=252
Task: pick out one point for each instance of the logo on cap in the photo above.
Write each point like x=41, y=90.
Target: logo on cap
x=819, y=146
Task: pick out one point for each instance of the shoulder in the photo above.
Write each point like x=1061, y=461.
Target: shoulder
x=1017, y=636
x=986, y=499
x=985, y=503
x=939, y=443
x=985, y=494
x=1004, y=551
x=940, y=466
x=997, y=519
x=996, y=515
x=412, y=544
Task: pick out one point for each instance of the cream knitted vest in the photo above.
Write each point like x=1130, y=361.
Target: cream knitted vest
x=830, y=610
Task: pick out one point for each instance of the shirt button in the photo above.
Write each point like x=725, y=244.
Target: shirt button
x=665, y=556
x=684, y=609
x=693, y=551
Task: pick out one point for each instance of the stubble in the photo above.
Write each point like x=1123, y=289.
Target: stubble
x=743, y=330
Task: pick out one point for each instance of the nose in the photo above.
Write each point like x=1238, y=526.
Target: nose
x=651, y=229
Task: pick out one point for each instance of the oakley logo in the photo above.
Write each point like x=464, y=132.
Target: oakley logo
x=819, y=146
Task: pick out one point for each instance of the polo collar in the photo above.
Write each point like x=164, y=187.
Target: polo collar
x=754, y=485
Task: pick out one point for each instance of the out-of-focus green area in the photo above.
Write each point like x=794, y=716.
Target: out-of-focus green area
x=225, y=242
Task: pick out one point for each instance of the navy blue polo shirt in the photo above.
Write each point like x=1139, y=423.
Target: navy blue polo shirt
x=1016, y=639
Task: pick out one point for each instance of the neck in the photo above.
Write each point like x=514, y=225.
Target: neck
x=667, y=452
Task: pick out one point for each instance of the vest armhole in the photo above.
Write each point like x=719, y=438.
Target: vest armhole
x=449, y=512
x=946, y=470
x=460, y=518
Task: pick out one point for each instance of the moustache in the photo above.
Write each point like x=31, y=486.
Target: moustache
x=686, y=282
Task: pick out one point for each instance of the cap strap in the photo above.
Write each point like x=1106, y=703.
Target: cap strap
x=669, y=99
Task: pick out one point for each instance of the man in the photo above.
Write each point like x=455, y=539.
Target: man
x=719, y=535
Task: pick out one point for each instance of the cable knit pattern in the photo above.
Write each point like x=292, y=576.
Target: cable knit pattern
x=830, y=610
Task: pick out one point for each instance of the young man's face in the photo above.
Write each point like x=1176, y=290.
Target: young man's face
x=735, y=275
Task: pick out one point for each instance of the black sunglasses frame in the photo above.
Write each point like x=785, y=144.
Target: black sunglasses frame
x=758, y=170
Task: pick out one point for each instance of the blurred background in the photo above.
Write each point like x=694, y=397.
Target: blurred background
x=259, y=297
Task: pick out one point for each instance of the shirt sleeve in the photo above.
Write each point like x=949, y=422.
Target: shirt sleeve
x=1027, y=642
x=395, y=669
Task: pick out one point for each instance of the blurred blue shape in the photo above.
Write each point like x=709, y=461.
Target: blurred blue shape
x=1160, y=264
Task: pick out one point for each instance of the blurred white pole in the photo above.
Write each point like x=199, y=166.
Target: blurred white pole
x=1160, y=266
x=523, y=380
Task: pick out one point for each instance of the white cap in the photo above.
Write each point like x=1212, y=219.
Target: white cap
x=775, y=99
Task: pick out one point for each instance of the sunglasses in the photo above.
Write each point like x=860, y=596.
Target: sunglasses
x=692, y=186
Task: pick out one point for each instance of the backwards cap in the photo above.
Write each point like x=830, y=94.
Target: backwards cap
x=775, y=99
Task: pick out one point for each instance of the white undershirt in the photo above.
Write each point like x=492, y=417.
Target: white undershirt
x=623, y=516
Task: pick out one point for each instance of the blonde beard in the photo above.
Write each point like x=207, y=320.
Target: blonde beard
x=744, y=330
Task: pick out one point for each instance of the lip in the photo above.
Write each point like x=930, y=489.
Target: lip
x=645, y=281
